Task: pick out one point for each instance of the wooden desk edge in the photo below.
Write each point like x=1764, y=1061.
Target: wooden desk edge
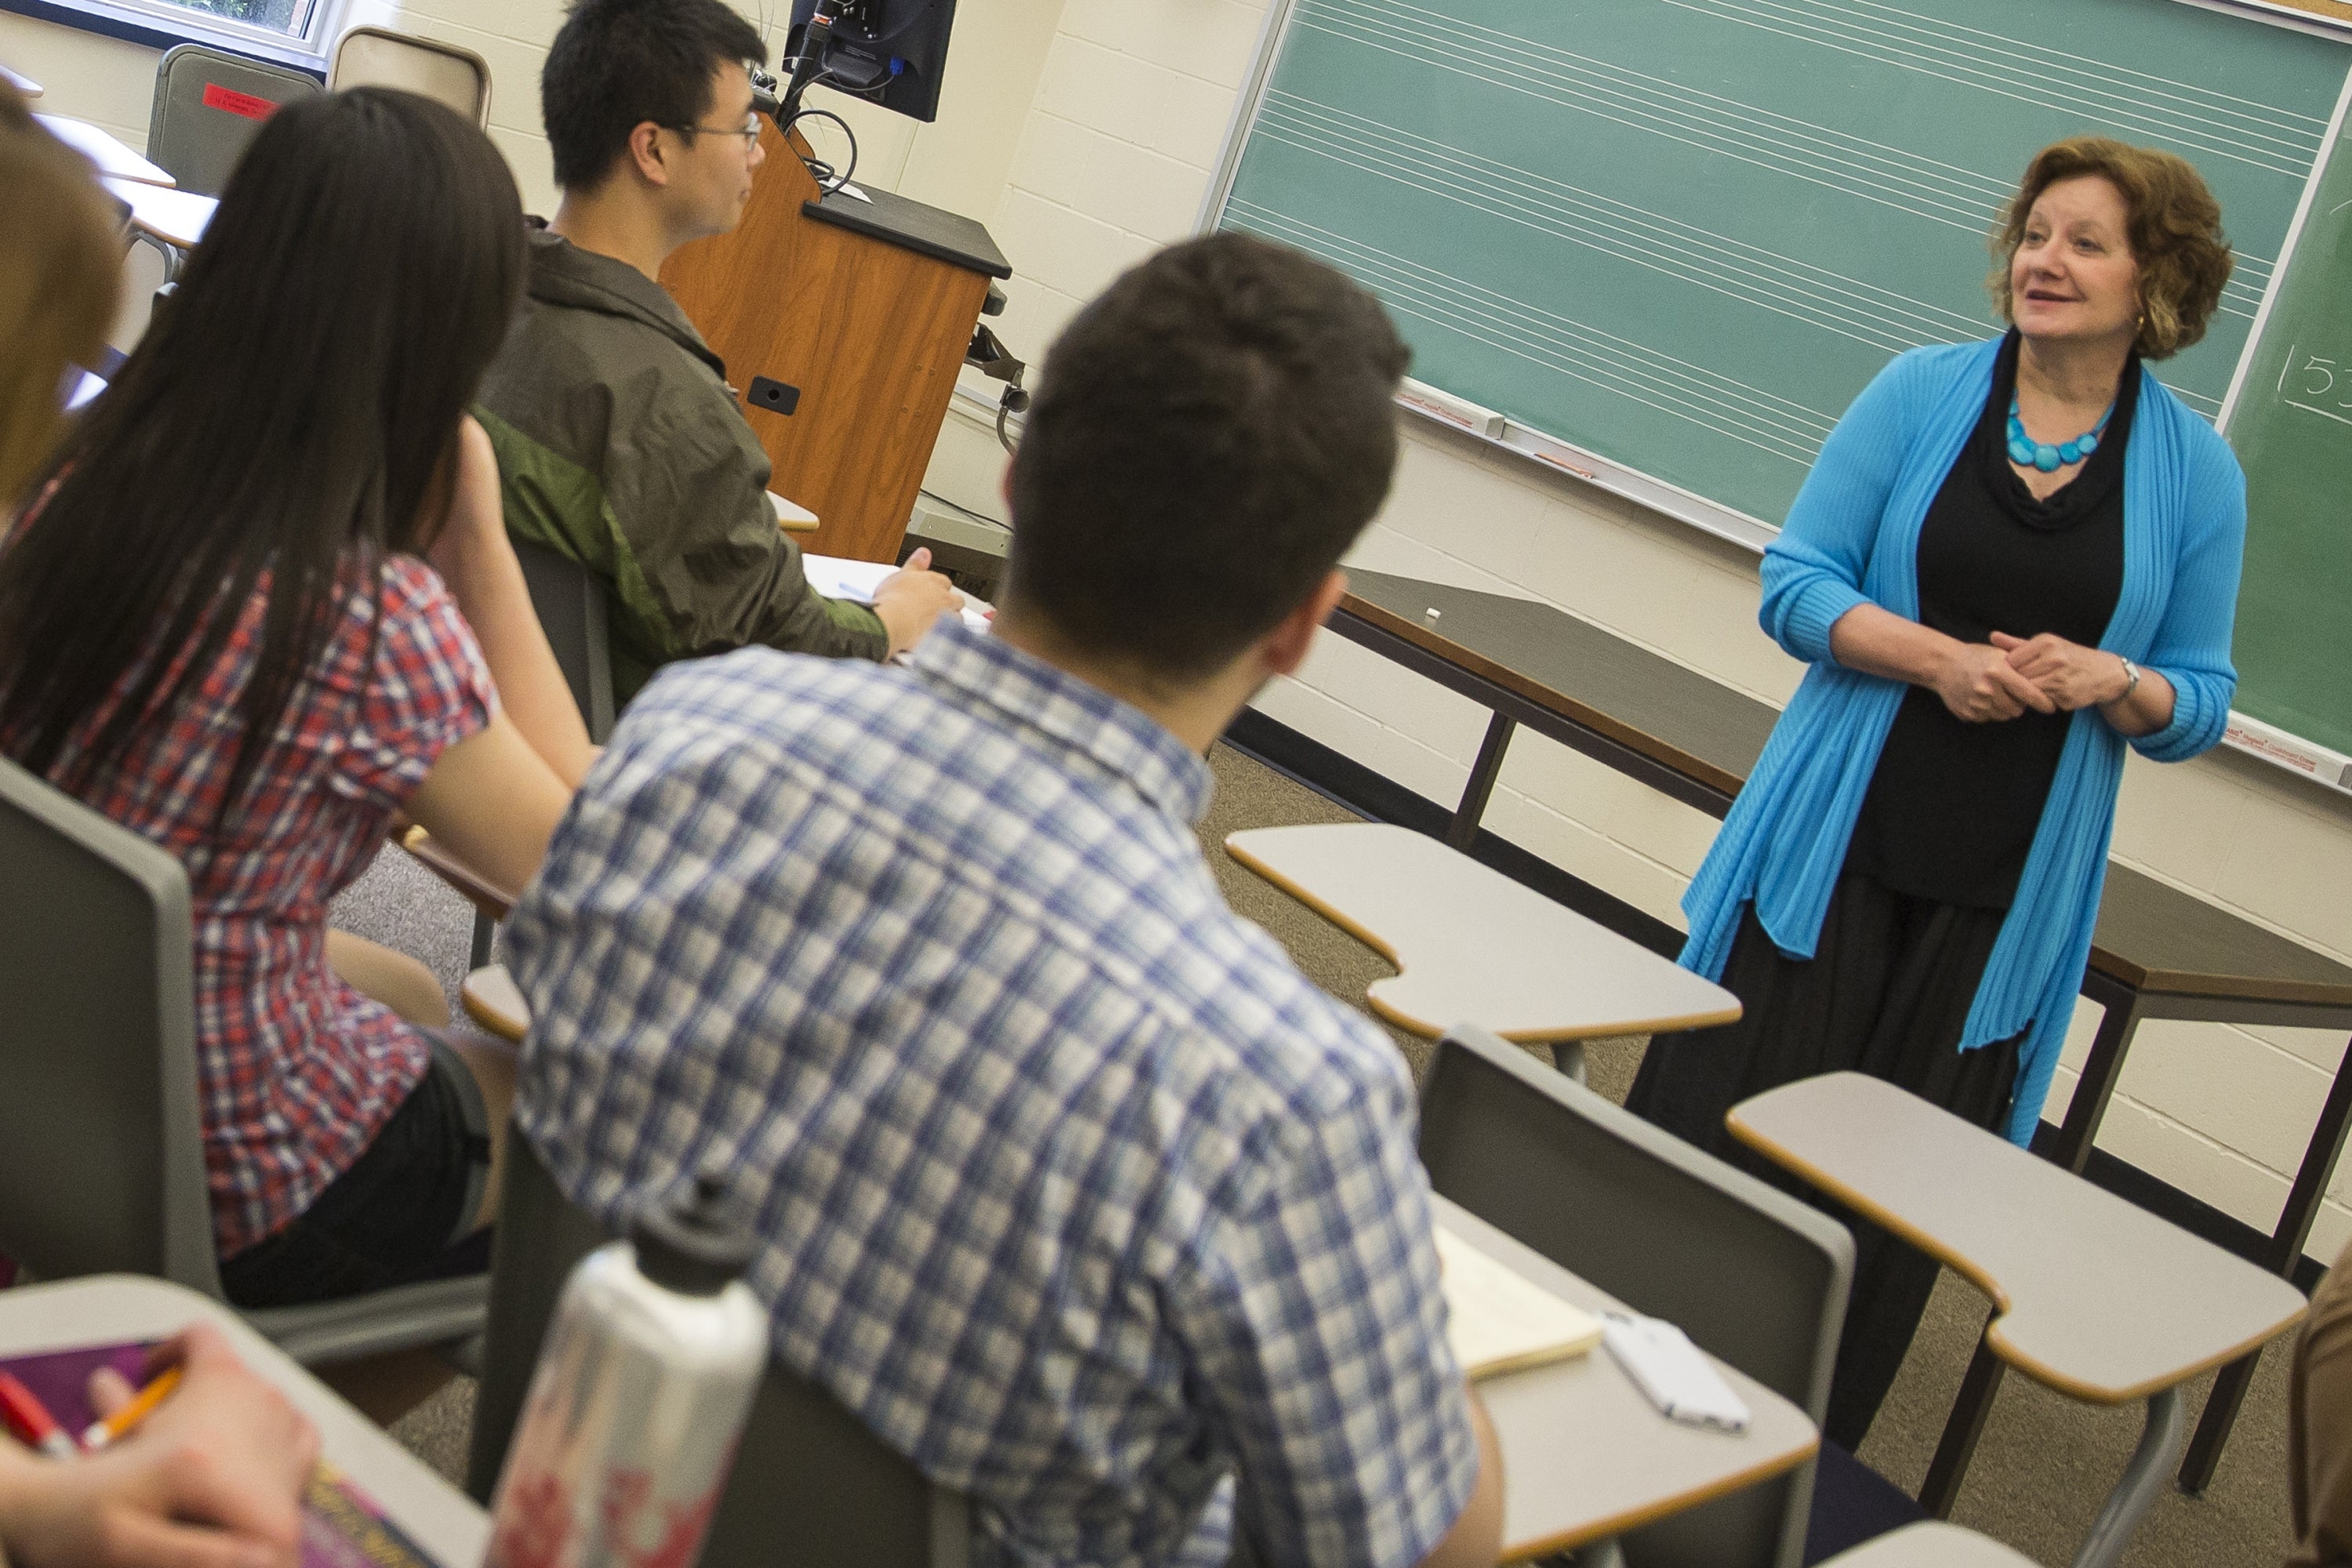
x=1544, y=696
x=1634, y=1518
x=485, y=895
x=1977, y=1276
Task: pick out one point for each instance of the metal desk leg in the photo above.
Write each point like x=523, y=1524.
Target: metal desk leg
x=2134, y=1494
x=2100, y=1071
x=1962, y=1430
x=1464, y=828
x=2285, y=1249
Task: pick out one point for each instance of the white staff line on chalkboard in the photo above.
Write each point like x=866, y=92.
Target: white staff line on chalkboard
x=1559, y=350
x=1586, y=221
x=1800, y=445
x=2145, y=123
x=1989, y=192
x=1956, y=209
x=1762, y=411
x=1455, y=167
x=1966, y=55
x=1287, y=112
x=2311, y=408
x=2288, y=120
x=2190, y=93
x=1761, y=292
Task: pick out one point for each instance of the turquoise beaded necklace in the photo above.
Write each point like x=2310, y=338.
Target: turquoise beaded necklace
x=2025, y=450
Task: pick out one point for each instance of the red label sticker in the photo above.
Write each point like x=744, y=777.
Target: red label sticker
x=235, y=102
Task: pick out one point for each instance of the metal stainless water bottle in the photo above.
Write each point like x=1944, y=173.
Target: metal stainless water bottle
x=629, y=1430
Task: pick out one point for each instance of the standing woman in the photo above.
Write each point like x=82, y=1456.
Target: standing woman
x=2011, y=558
x=218, y=626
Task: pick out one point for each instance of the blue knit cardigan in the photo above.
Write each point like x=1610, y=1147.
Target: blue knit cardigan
x=1851, y=539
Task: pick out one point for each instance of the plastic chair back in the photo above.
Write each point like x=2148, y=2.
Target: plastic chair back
x=101, y=1149
x=101, y=1157
x=378, y=56
x=209, y=104
x=810, y=1483
x=1753, y=1276
x=570, y=600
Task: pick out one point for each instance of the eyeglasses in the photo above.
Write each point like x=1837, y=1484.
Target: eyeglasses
x=749, y=130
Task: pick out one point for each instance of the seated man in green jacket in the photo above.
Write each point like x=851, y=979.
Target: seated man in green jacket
x=620, y=444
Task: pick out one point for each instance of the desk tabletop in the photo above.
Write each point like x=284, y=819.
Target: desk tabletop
x=103, y=149
x=178, y=218
x=2152, y=937
x=116, y=1307
x=2097, y=1298
x=1586, y=1456
x=1698, y=727
x=1472, y=945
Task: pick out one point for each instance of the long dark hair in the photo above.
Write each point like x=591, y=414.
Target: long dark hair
x=291, y=411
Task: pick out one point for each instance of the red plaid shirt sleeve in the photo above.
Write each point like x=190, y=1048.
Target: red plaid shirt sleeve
x=429, y=689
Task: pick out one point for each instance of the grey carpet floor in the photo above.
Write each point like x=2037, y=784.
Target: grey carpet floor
x=2044, y=1463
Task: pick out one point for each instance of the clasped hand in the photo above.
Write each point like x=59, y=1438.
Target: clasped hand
x=1989, y=682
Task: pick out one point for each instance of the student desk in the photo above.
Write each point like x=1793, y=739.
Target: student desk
x=2158, y=953
x=113, y=1307
x=1586, y=1456
x=174, y=219
x=110, y=155
x=1469, y=943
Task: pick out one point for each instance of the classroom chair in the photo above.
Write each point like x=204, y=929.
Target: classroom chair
x=208, y=105
x=378, y=56
x=811, y=1484
x=569, y=603
x=2093, y=1296
x=570, y=600
x=1753, y=1276
x=101, y=1156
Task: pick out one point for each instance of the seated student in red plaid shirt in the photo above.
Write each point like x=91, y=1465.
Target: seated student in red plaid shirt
x=267, y=602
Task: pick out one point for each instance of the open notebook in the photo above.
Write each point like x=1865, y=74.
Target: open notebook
x=837, y=578
x=1500, y=1321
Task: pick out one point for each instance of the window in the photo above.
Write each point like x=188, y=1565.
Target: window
x=298, y=32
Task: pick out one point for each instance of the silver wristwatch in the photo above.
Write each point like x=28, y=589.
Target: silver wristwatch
x=2131, y=680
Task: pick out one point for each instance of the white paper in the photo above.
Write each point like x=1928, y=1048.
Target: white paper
x=1498, y=1320
x=856, y=580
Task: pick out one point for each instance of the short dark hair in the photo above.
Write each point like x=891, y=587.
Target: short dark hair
x=1209, y=437
x=616, y=64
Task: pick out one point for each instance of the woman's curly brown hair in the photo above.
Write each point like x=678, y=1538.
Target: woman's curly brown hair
x=2175, y=231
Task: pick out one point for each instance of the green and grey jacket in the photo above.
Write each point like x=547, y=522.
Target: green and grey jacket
x=620, y=445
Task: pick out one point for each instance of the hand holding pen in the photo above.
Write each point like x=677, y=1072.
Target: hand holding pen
x=211, y=1477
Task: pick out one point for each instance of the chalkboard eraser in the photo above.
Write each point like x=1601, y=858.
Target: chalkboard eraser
x=1449, y=409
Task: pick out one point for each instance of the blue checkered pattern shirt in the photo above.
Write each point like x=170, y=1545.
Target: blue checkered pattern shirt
x=1068, y=1184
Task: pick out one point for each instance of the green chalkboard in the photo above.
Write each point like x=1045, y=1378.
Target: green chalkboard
x=1682, y=234
x=2290, y=423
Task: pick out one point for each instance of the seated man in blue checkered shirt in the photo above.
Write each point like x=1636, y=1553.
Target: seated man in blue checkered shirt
x=1068, y=1184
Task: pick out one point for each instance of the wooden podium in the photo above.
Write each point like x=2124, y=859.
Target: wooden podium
x=865, y=308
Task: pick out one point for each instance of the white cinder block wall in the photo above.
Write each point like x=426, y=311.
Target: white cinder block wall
x=1085, y=132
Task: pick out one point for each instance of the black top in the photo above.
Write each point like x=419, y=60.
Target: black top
x=925, y=230
x=1953, y=805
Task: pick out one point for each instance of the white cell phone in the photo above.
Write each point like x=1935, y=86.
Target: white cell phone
x=1663, y=1364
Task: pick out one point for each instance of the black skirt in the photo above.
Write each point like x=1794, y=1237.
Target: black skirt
x=1886, y=993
